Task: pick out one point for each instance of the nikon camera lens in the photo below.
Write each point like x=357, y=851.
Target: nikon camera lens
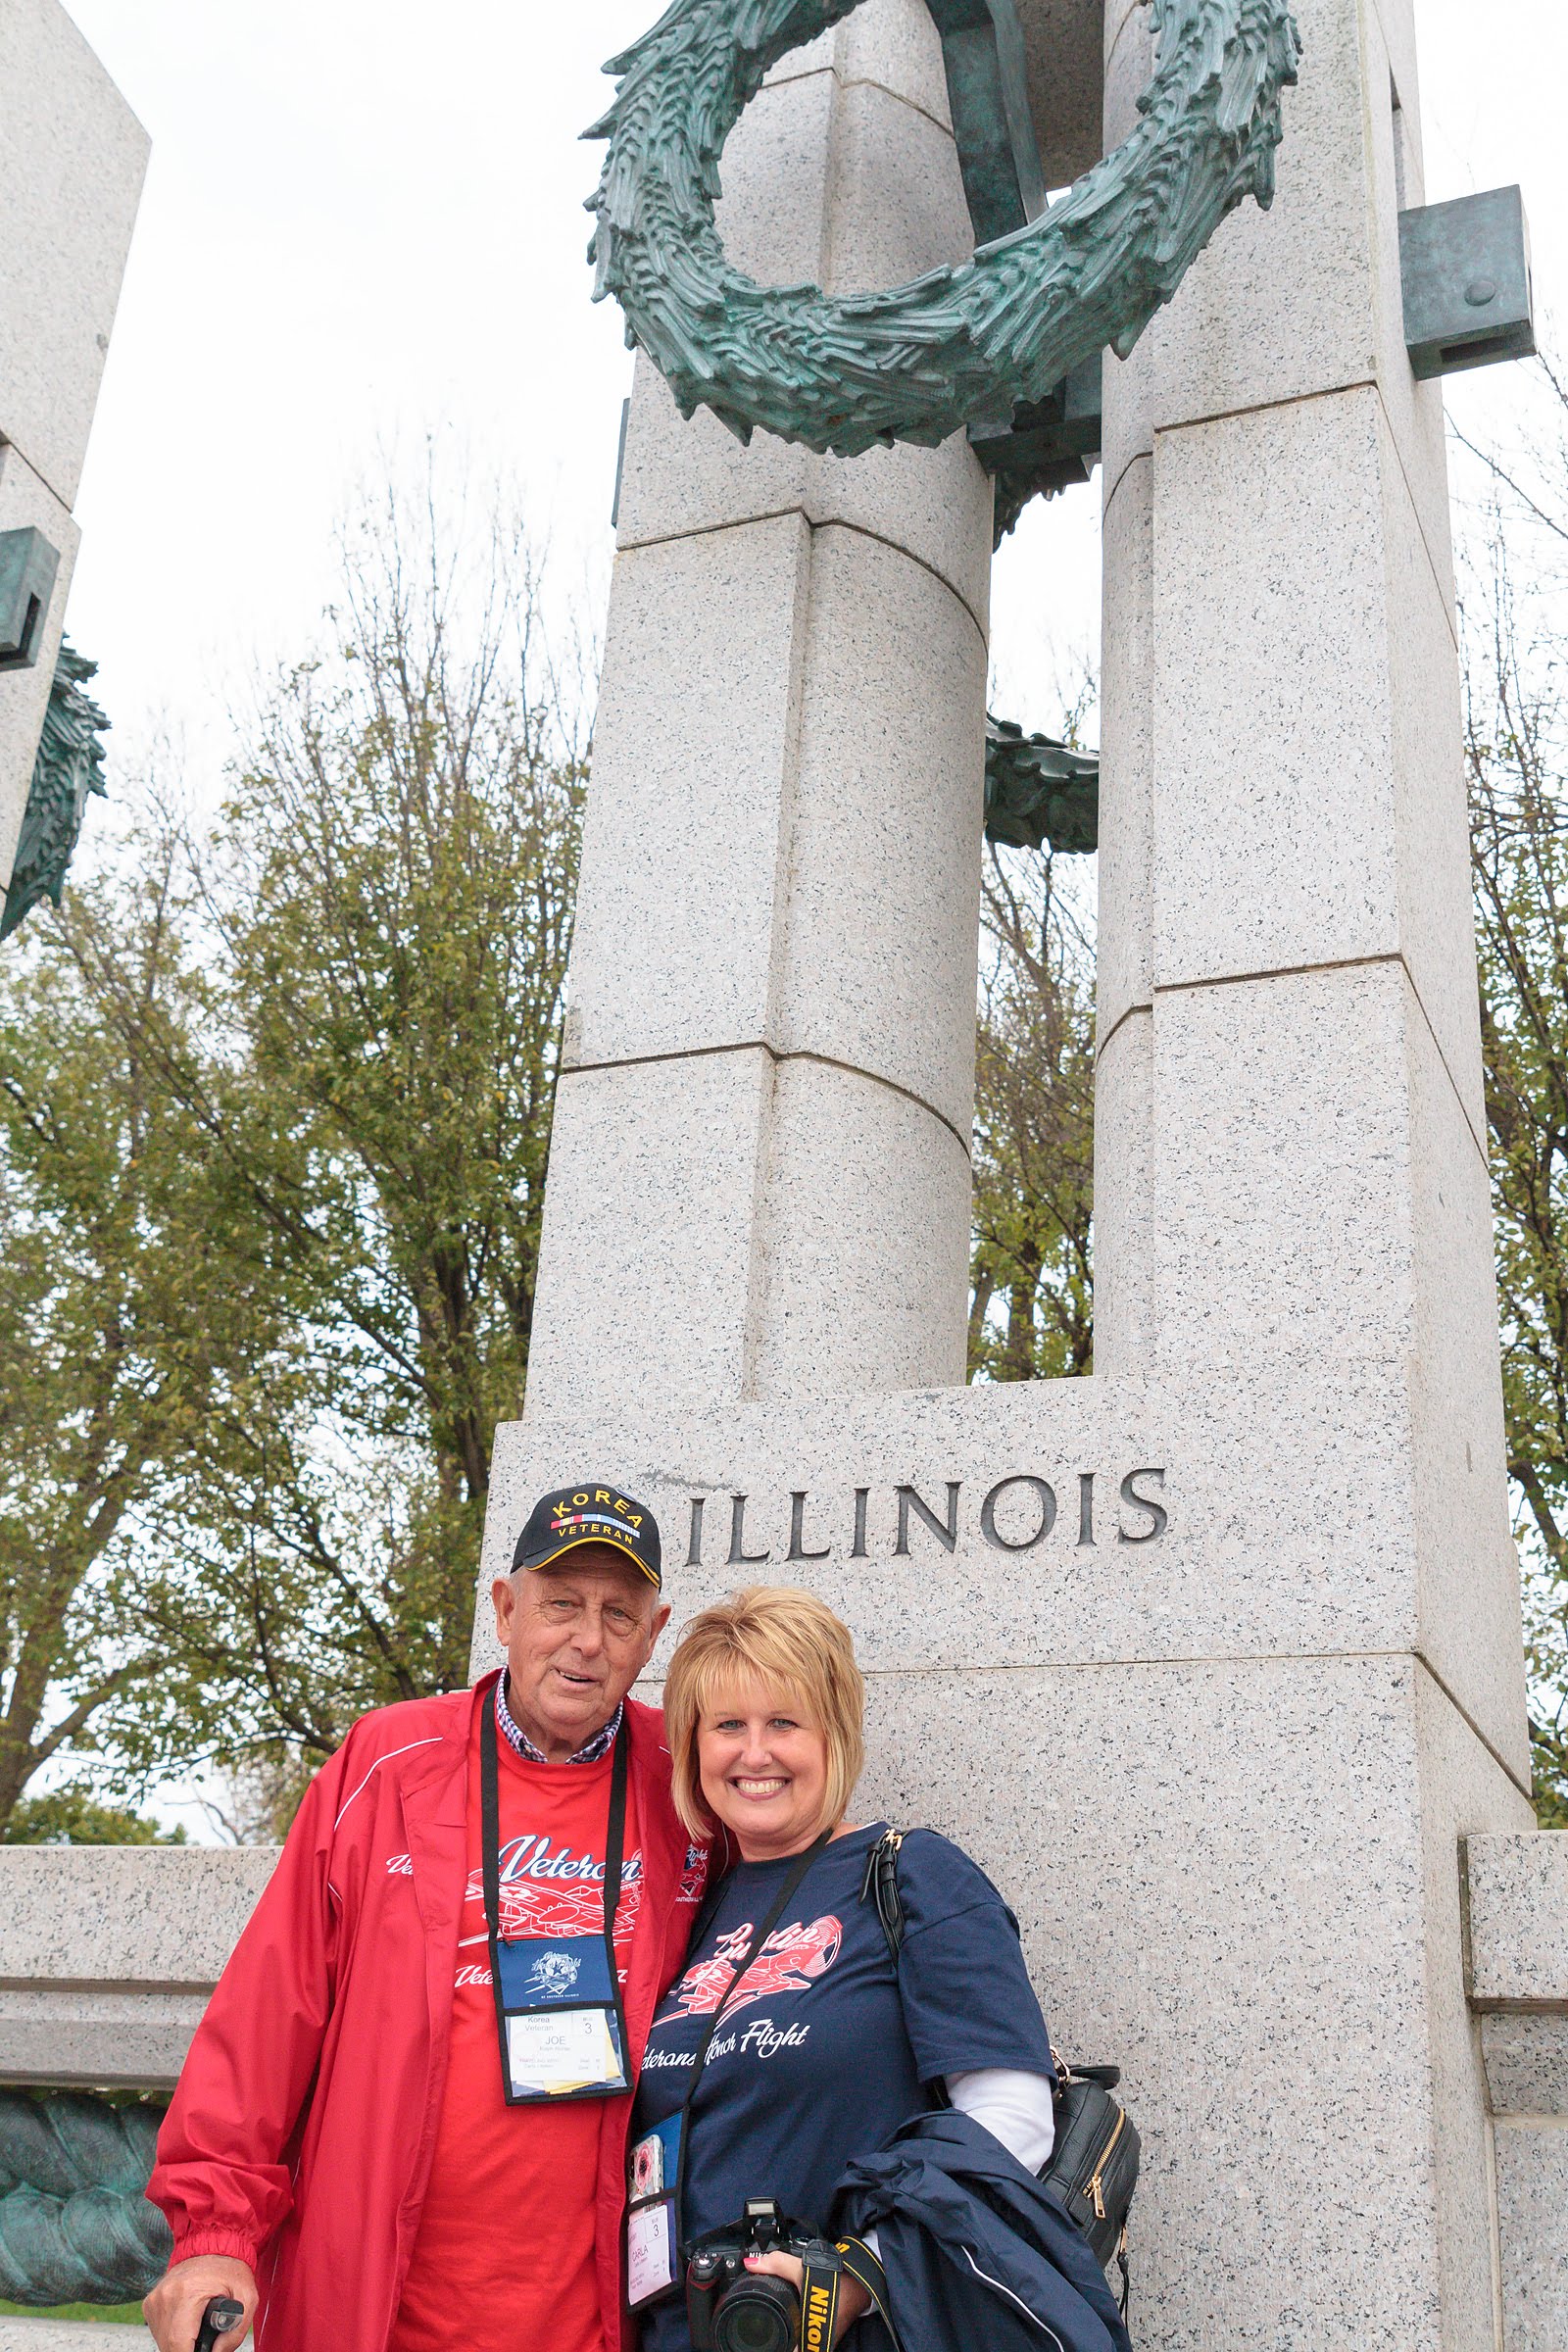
x=758, y=2314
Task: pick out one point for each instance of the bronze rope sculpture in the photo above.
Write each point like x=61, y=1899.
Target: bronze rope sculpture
x=963, y=342
x=75, y=2223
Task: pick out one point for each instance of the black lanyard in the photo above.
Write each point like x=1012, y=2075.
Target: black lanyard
x=490, y=1835
x=786, y=1891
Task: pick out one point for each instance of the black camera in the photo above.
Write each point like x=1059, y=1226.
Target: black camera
x=729, y=2307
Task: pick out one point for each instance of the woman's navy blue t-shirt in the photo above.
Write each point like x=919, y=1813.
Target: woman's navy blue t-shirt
x=821, y=2051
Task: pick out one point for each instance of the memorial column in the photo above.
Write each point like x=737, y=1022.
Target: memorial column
x=760, y=1172
x=1294, y=1235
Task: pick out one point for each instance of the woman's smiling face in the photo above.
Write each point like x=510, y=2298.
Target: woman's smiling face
x=762, y=1763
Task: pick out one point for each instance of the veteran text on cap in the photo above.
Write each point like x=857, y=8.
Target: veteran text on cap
x=569, y=1516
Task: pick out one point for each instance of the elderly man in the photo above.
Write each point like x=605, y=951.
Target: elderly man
x=402, y=2124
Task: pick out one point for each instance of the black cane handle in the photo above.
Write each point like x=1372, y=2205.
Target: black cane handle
x=222, y=2313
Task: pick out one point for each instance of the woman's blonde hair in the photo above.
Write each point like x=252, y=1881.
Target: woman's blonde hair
x=788, y=1642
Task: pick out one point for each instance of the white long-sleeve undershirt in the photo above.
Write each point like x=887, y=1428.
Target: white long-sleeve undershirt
x=1013, y=2107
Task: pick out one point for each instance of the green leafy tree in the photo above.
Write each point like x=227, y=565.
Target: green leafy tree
x=359, y=1057
x=389, y=894
x=118, y=1313
x=1521, y=861
x=1031, y=1310
x=74, y=1816
x=1516, y=668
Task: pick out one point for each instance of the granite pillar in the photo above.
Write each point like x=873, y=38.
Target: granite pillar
x=761, y=1152
x=1290, y=1069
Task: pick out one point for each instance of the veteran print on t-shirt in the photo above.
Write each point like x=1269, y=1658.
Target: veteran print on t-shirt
x=549, y=1886
x=552, y=1886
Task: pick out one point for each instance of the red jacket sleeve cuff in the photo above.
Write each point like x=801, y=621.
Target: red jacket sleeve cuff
x=230, y=2242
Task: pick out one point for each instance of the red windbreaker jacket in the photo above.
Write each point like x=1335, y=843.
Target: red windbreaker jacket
x=301, y=2134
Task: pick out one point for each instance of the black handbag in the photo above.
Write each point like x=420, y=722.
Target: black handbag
x=1093, y=2166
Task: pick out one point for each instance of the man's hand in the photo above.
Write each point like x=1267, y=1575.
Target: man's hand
x=854, y=2301
x=173, y=2310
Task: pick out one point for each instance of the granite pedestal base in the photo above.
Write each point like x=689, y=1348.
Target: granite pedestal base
x=1158, y=1661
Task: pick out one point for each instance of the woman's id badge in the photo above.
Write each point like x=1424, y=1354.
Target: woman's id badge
x=652, y=2234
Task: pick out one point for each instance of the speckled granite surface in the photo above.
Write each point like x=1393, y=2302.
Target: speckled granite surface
x=107, y=1954
x=1527, y=2063
x=144, y=1918
x=1533, y=2223
x=1518, y=1920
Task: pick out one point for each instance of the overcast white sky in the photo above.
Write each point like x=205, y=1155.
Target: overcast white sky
x=364, y=219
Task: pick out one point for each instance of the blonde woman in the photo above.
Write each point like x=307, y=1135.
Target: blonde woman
x=819, y=2048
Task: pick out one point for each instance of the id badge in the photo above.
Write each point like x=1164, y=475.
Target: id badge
x=561, y=2024
x=653, y=2234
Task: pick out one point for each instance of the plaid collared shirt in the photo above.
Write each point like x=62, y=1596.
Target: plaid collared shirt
x=520, y=1742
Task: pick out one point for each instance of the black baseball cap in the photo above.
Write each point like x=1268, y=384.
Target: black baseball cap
x=589, y=1512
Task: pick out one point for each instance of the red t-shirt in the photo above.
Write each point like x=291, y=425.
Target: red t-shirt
x=506, y=2256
